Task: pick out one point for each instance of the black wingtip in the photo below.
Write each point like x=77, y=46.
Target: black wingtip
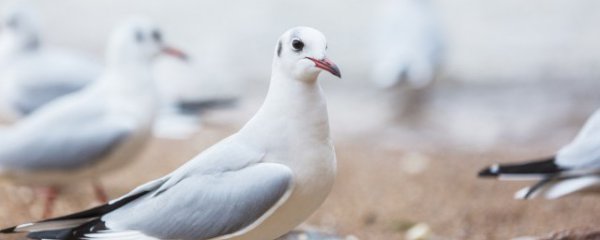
x=8, y=230
x=71, y=233
x=546, y=166
x=54, y=234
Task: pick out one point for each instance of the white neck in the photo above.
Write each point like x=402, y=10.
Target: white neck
x=129, y=89
x=122, y=62
x=293, y=106
x=129, y=77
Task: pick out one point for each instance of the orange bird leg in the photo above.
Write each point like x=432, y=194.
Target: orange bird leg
x=49, y=195
x=99, y=191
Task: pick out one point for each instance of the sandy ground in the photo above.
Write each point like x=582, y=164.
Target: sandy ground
x=392, y=175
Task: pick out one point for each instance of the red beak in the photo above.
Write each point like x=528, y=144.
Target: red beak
x=327, y=65
x=175, y=53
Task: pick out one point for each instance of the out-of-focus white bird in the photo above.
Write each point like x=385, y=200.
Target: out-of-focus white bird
x=100, y=128
x=184, y=99
x=259, y=183
x=182, y=119
x=574, y=168
x=31, y=73
x=188, y=91
x=407, y=44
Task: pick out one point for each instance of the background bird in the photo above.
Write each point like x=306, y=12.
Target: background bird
x=181, y=119
x=407, y=44
x=259, y=183
x=407, y=49
x=100, y=128
x=575, y=167
x=32, y=73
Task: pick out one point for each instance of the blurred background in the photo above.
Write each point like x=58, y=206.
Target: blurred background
x=516, y=80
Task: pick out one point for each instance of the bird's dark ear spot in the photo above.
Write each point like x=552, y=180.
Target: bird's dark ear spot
x=139, y=36
x=13, y=23
x=33, y=43
x=279, y=49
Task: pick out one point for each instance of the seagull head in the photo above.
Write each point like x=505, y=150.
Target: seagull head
x=19, y=27
x=302, y=53
x=139, y=40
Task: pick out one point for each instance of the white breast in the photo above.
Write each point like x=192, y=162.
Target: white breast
x=294, y=132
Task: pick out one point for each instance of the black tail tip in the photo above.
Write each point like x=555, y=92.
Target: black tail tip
x=492, y=171
x=8, y=230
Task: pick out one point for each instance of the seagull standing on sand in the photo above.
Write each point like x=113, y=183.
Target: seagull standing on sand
x=100, y=128
x=259, y=183
x=575, y=167
x=31, y=73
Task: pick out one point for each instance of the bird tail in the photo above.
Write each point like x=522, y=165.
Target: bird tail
x=531, y=170
x=558, y=188
x=195, y=107
x=51, y=229
x=71, y=226
x=73, y=233
x=553, y=181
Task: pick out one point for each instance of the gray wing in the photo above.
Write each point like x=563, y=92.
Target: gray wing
x=49, y=75
x=31, y=98
x=204, y=206
x=61, y=147
x=71, y=132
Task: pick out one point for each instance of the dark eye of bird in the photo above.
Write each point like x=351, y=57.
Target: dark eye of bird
x=157, y=36
x=297, y=45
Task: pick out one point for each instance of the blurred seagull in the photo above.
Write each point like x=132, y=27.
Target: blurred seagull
x=188, y=92
x=407, y=44
x=256, y=184
x=180, y=119
x=190, y=89
x=574, y=168
x=100, y=128
x=31, y=73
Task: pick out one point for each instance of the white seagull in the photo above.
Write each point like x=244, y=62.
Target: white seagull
x=259, y=183
x=100, y=128
x=407, y=44
x=31, y=73
x=575, y=167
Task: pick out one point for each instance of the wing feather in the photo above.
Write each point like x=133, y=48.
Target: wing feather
x=207, y=206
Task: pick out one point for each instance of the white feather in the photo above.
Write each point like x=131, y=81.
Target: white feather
x=584, y=151
x=53, y=225
x=521, y=177
x=522, y=192
x=560, y=188
x=569, y=186
x=122, y=235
